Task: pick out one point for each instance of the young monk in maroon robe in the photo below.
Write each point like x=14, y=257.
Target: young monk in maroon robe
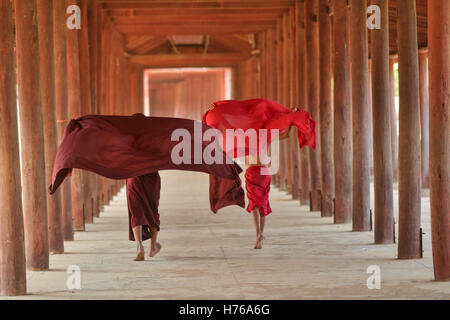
x=136, y=148
x=143, y=200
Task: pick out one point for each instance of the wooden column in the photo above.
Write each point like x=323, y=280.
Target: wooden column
x=287, y=98
x=371, y=122
x=270, y=63
x=12, y=249
x=293, y=136
x=111, y=74
x=31, y=136
x=439, y=74
x=86, y=106
x=60, y=66
x=74, y=105
x=326, y=109
x=409, y=138
x=424, y=120
x=93, y=27
x=47, y=80
x=384, y=207
x=360, y=116
x=394, y=135
x=279, y=181
x=302, y=102
x=342, y=116
x=313, y=97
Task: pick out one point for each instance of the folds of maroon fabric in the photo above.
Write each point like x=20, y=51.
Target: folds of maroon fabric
x=120, y=147
x=143, y=201
x=258, y=187
x=258, y=114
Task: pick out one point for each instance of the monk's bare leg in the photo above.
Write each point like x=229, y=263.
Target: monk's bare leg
x=262, y=222
x=155, y=246
x=137, y=232
x=256, y=221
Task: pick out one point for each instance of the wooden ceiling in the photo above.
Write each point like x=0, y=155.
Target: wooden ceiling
x=161, y=29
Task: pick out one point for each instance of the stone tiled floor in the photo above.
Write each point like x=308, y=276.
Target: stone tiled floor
x=207, y=256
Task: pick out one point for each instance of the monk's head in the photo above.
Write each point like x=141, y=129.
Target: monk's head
x=139, y=114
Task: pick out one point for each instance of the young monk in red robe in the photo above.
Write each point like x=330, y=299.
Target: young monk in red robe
x=257, y=114
x=257, y=186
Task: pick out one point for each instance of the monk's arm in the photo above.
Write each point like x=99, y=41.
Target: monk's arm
x=284, y=134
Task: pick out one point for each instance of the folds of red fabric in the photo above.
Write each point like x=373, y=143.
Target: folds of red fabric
x=258, y=187
x=143, y=201
x=258, y=114
x=120, y=147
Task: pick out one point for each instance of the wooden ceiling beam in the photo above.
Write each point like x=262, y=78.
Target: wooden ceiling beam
x=243, y=18
x=189, y=11
x=149, y=44
x=185, y=29
x=206, y=4
x=234, y=43
x=188, y=60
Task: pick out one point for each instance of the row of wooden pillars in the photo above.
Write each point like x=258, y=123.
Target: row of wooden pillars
x=294, y=64
x=62, y=74
x=318, y=59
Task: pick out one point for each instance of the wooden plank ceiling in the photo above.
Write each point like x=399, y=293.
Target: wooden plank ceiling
x=209, y=32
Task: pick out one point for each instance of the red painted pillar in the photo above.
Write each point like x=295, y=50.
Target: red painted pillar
x=302, y=102
x=424, y=119
x=342, y=116
x=409, y=138
x=439, y=74
x=31, y=136
x=326, y=109
x=360, y=117
x=12, y=249
x=394, y=118
x=54, y=213
x=382, y=154
x=74, y=105
x=313, y=97
x=60, y=69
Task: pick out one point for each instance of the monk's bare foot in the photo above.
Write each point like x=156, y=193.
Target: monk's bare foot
x=259, y=242
x=140, y=256
x=155, y=249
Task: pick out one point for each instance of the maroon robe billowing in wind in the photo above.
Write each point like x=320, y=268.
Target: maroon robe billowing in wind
x=121, y=147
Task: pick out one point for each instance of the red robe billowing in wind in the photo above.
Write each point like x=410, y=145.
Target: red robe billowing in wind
x=257, y=114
